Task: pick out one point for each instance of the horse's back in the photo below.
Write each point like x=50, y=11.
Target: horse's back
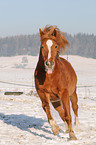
x=68, y=66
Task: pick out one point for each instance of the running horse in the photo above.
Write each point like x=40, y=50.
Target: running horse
x=55, y=79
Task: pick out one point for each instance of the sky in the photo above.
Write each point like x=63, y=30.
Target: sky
x=18, y=17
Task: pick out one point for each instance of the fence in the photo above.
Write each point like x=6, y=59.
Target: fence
x=78, y=87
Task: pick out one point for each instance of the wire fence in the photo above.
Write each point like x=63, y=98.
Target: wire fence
x=4, y=82
x=32, y=86
x=16, y=84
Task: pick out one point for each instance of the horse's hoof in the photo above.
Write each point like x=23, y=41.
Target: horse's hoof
x=72, y=136
x=55, y=130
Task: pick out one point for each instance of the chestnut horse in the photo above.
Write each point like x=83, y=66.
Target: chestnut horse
x=55, y=79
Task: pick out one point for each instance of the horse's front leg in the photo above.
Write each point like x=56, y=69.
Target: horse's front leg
x=45, y=104
x=66, y=105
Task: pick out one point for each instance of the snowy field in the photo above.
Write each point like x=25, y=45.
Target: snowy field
x=22, y=119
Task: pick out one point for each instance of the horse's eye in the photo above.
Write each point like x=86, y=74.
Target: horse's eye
x=41, y=46
x=55, y=46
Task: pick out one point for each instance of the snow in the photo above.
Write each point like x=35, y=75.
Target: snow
x=22, y=119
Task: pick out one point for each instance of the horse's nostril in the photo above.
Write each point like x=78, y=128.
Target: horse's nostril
x=46, y=63
x=52, y=63
x=49, y=64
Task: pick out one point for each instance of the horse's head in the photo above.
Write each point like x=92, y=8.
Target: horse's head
x=51, y=42
x=49, y=50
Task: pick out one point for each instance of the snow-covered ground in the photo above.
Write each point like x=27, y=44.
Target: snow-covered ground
x=22, y=119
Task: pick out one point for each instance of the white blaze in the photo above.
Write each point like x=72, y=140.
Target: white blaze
x=49, y=44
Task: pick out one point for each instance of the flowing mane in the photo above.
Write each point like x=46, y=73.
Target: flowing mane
x=52, y=32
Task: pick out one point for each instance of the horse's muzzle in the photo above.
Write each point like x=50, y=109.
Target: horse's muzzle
x=49, y=66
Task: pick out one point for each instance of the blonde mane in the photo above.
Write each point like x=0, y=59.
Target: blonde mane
x=52, y=32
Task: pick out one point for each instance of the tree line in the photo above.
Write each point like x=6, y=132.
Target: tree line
x=80, y=44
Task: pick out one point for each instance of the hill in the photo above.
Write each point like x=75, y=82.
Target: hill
x=80, y=44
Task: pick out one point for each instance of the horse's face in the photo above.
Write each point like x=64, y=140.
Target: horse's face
x=49, y=49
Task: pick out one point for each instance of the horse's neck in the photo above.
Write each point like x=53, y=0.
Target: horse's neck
x=56, y=63
x=41, y=60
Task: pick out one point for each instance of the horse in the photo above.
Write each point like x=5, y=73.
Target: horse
x=56, y=80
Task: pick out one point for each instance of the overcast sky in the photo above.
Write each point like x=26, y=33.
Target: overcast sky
x=27, y=16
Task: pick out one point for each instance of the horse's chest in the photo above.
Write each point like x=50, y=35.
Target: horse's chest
x=50, y=86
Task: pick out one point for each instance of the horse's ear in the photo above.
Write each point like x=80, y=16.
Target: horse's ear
x=54, y=33
x=41, y=32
